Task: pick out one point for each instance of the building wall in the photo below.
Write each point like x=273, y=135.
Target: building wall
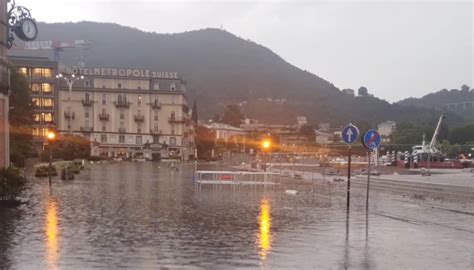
x=4, y=85
x=140, y=122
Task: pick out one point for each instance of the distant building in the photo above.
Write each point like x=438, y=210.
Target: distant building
x=224, y=131
x=349, y=92
x=387, y=128
x=363, y=92
x=40, y=74
x=324, y=127
x=322, y=137
x=128, y=113
x=301, y=121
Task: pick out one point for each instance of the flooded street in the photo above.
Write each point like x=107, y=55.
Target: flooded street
x=141, y=216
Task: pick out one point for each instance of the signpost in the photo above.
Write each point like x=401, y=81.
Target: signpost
x=371, y=140
x=349, y=135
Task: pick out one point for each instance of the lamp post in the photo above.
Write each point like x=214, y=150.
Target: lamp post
x=266, y=146
x=70, y=80
x=51, y=137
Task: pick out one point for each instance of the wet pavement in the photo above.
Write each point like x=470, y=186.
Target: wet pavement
x=141, y=216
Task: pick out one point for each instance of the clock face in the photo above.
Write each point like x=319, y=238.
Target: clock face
x=29, y=29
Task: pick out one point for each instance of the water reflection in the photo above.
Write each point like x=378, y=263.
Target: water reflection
x=264, y=236
x=52, y=233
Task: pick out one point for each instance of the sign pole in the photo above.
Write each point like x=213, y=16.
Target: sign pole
x=369, y=152
x=349, y=179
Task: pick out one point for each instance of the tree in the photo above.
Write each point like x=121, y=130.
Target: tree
x=232, y=115
x=205, y=140
x=69, y=147
x=20, y=118
x=462, y=135
x=465, y=88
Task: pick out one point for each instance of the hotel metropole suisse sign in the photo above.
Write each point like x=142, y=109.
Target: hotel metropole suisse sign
x=122, y=72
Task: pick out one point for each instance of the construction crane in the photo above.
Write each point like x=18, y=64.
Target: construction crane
x=58, y=47
x=424, y=149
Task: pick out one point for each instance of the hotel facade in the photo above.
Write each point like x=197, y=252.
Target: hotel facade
x=133, y=113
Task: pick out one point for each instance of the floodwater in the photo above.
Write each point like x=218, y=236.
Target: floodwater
x=141, y=216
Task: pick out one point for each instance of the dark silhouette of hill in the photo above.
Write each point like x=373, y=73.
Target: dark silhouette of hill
x=455, y=100
x=221, y=68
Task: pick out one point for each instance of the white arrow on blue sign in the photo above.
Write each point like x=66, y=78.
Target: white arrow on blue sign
x=350, y=134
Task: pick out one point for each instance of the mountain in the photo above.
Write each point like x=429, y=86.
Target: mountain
x=459, y=102
x=221, y=68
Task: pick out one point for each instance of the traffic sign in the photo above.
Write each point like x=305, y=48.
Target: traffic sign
x=350, y=133
x=371, y=139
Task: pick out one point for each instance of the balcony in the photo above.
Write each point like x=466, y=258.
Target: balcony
x=87, y=102
x=103, y=116
x=86, y=129
x=69, y=115
x=122, y=104
x=139, y=118
x=122, y=130
x=156, y=105
x=176, y=119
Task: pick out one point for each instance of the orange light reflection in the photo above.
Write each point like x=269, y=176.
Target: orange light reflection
x=52, y=234
x=265, y=221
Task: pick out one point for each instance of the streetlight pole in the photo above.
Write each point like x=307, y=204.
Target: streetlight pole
x=70, y=82
x=51, y=137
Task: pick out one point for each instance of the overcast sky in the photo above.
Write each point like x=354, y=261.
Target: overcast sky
x=396, y=49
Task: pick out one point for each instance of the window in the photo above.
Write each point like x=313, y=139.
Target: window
x=139, y=140
x=156, y=139
x=122, y=115
x=47, y=88
x=156, y=86
x=104, y=111
x=172, y=129
x=87, y=84
x=103, y=138
x=119, y=86
x=87, y=97
x=172, y=141
x=139, y=100
x=121, y=138
x=155, y=117
x=87, y=124
x=35, y=88
x=36, y=117
x=48, y=103
x=173, y=87
x=139, y=129
x=104, y=128
x=104, y=99
x=42, y=73
x=155, y=127
x=23, y=71
x=87, y=113
x=35, y=102
x=172, y=116
x=48, y=117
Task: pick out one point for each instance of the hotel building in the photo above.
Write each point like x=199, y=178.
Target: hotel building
x=132, y=113
x=40, y=74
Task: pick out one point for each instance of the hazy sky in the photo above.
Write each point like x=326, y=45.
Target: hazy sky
x=394, y=48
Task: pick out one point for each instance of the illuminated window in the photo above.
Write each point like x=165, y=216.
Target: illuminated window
x=35, y=102
x=35, y=88
x=48, y=117
x=48, y=103
x=47, y=88
x=36, y=132
x=36, y=117
x=42, y=73
x=23, y=71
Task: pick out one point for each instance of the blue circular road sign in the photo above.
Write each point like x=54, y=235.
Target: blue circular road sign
x=350, y=134
x=371, y=139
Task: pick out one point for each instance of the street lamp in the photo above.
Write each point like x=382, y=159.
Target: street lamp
x=70, y=80
x=266, y=146
x=51, y=137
